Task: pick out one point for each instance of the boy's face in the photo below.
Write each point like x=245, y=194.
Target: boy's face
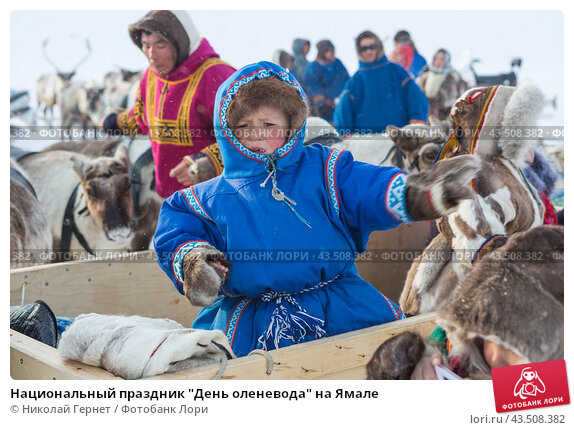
x=263, y=130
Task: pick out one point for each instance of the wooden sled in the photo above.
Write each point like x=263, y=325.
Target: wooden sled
x=135, y=285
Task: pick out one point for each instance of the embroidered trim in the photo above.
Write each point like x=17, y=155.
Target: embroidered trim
x=397, y=314
x=395, y=198
x=172, y=131
x=482, y=118
x=226, y=101
x=234, y=319
x=177, y=261
x=331, y=178
x=193, y=202
x=212, y=152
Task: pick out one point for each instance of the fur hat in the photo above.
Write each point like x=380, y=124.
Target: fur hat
x=324, y=46
x=480, y=111
x=174, y=26
x=511, y=301
x=269, y=91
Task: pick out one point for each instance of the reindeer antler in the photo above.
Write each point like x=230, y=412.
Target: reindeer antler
x=44, y=44
x=83, y=60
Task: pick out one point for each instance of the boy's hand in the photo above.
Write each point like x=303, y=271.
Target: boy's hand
x=204, y=272
x=437, y=192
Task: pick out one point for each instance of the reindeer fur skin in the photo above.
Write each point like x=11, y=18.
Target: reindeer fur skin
x=30, y=236
x=137, y=347
x=504, y=202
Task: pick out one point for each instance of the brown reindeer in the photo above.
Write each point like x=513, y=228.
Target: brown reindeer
x=146, y=201
x=504, y=201
x=86, y=200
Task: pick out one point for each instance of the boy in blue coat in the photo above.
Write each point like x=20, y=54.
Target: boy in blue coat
x=268, y=247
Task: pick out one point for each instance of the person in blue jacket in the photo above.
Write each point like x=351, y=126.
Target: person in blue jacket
x=419, y=62
x=379, y=94
x=324, y=80
x=268, y=247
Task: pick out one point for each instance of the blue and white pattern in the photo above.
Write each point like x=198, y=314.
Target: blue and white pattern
x=194, y=203
x=177, y=262
x=396, y=198
x=234, y=319
x=331, y=163
x=225, y=102
x=291, y=324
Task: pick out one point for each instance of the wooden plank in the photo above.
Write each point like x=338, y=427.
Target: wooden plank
x=131, y=285
x=30, y=359
x=337, y=357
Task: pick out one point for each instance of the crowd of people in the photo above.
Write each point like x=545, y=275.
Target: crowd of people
x=397, y=89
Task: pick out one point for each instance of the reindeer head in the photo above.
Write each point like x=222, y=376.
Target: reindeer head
x=106, y=188
x=418, y=145
x=66, y=76
x=127, y=75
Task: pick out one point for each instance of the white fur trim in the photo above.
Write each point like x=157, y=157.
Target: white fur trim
x=189, y=26
x=521, y=111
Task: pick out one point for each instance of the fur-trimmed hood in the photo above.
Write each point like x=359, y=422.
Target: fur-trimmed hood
x=239, y=161
x=176, y=26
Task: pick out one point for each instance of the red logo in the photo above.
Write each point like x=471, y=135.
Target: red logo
x=530, y=386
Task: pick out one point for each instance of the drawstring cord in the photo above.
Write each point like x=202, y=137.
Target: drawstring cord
x=292, y=324
x=277, y=194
